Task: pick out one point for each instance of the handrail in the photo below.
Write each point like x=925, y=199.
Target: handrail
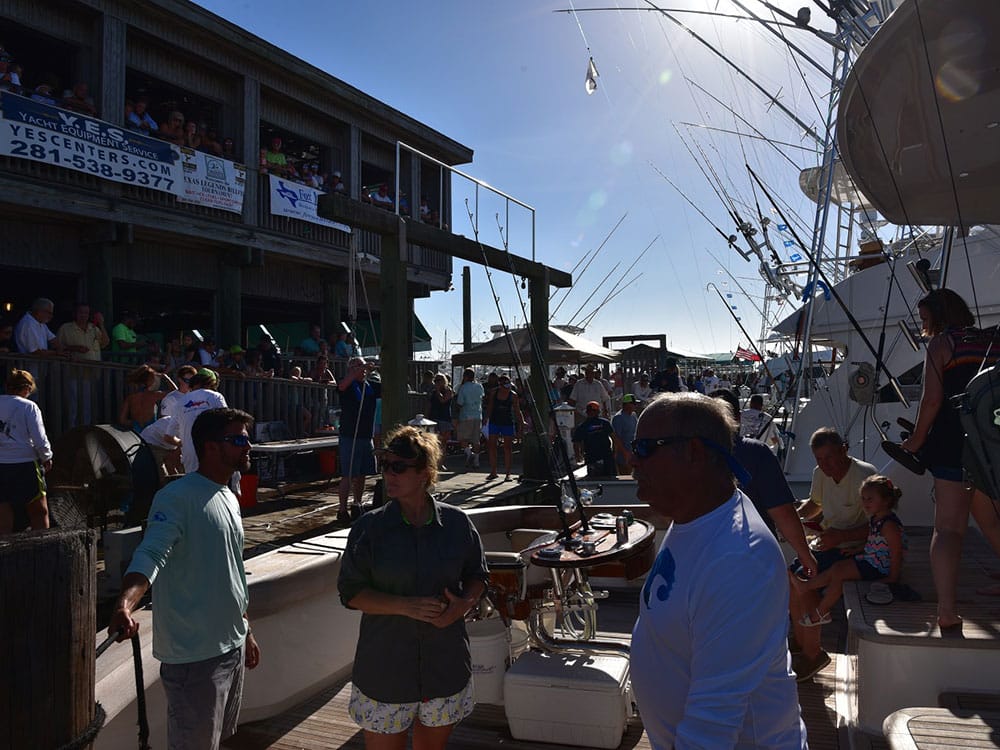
x=89, y=734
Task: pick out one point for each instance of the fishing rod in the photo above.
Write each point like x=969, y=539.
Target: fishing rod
x=551, y=490
x=624, y=274
x=586, y=321
x=716, y=185
x=879, y=362
x=744, y=227
x=794, y=23
x=757, y=137
x=736, y=281
x=604, y=281
x=781, y=36
x=592, y=257
x=739, y=323
x=729, y=238
x=774, y=100
x=741, y=118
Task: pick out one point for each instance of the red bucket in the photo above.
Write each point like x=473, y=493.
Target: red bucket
x=328, y=462
x=248, y=490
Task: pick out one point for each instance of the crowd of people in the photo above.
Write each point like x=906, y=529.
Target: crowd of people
x=714, y=612
x=178, y=129
x=43, y=87
x=192, y=130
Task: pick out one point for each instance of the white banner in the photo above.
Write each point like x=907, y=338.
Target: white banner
x=298, y=202
x=213, y=181
x=43, y=133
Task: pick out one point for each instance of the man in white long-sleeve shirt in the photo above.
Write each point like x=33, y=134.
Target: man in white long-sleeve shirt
x=709, y=666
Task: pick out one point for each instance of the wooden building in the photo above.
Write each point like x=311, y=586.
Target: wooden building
x=86, y=211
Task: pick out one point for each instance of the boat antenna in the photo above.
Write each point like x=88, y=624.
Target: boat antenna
x=879, y=362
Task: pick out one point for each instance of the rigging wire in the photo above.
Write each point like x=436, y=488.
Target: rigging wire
x=951, y=169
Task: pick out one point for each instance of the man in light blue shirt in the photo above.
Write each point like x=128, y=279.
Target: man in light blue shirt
x=193, y=550
x=470, y=416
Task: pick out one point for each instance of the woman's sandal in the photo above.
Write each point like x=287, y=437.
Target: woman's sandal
x=808, y=622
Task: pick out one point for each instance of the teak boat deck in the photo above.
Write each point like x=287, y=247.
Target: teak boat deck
x=322, y=721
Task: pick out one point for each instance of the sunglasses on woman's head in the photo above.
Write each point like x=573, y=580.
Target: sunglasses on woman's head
x=397, y=467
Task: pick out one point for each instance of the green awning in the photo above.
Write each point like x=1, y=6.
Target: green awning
x=369, y=335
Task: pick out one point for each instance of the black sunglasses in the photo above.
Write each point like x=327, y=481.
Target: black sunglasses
x=645, y=447
x=240, y=441
x=397, y=467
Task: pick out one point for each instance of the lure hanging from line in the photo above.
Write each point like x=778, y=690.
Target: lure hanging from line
x=592, y=75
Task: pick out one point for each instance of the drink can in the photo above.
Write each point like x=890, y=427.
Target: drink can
x=621, y=529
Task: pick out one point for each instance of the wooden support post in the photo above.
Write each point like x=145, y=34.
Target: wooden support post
x=330, y=309
x=229, y=300
x=48, y=636
x=395, y=328
x=466, y=308
x=98, y=277
x=538, y=294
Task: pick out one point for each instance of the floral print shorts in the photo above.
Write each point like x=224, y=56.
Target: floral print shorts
x=392, y=718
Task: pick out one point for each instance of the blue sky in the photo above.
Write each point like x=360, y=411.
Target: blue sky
x=507, y=79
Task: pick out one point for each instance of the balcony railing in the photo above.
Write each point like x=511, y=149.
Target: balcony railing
x=69, y=390
x=369, y=242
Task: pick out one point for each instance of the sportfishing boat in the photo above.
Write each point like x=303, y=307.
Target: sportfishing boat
x=543, y=562
x=896, y=680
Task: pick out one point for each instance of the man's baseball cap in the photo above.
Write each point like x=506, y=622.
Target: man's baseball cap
x=593, y=405
x=628, y=398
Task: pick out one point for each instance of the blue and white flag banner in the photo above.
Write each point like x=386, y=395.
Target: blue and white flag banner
x=298, y=202
x=41, y=132
x=213, y=181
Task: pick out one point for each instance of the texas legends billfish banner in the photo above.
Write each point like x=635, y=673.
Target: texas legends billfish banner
x=212, y=181
x=40, y=132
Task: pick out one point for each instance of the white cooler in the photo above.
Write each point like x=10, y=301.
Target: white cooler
x=570, y=698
